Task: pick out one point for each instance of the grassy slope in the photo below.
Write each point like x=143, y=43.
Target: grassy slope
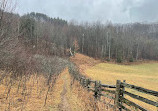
x=144, y=75
x=83, y=62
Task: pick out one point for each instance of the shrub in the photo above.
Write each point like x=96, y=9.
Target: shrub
x=131, y=59
x=108, y=60
x=119, y=60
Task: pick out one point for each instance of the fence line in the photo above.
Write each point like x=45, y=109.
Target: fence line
x=118, y=91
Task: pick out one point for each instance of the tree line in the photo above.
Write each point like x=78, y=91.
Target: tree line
x=22, y=37
x=120, y=42
x=105, y=41
x=126, y=42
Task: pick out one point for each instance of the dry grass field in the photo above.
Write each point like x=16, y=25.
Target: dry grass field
x=141, y=74
x=66, y=95
x=62, y=96
x=144, y=75
x=30, y=96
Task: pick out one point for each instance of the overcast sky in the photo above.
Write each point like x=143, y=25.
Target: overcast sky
x=117, y=11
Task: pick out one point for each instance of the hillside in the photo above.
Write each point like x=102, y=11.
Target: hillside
x=83, y=62
x=143, y=74
x=108, y=73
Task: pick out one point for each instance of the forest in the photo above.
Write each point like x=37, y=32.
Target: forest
x=36, y=33
x=22, y=37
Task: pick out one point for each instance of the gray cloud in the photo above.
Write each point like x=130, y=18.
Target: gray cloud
x=118, y=11
x=147, y=11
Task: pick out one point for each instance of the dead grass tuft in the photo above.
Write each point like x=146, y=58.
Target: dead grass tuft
x=83, y=61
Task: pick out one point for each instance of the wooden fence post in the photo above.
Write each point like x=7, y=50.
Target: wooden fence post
x=117, y=94
x=78, y=78
x=95, y=90
x=99, y=89
x=84, y=82
x=121, y=94
x=123, y=88
x=82, y=79
x=88, y=84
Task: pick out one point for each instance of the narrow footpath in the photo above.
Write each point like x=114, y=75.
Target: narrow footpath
x=65, y=97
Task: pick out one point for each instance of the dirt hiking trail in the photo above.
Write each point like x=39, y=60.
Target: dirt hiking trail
x=64, y=105
x=66, y=96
